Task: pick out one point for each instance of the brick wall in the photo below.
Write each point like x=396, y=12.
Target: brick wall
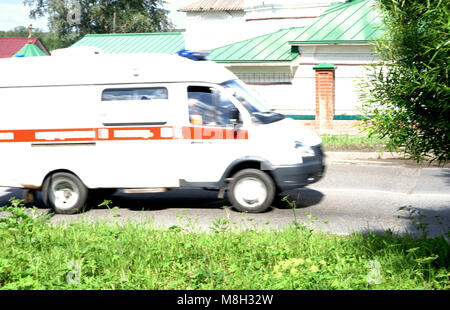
x=324, y=98
x=324, y=122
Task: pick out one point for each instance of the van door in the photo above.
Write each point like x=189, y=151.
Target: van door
x=135, y=140
x=213, y=139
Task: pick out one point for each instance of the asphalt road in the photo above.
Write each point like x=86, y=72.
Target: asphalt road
x=353, y=196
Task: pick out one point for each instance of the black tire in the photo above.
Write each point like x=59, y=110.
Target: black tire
x=66, y=185
x=256, y=205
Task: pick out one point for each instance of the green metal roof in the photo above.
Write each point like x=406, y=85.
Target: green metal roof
x=161, y=42
x=345, y=23
x=351, y=22
x=30, y=50
x=272, y=47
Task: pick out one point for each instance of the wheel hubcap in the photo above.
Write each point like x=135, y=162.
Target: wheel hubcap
x=64, y=194
x=250, y=192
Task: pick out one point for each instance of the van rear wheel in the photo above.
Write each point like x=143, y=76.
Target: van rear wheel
x=64, y=193
x=251, y=190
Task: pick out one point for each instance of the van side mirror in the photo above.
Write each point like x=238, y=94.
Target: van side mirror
x=234, y=116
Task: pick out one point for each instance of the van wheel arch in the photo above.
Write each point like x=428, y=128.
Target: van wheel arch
x=247, y=163
x=57, y=171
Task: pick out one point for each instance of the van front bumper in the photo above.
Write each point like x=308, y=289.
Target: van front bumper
x=310, y=171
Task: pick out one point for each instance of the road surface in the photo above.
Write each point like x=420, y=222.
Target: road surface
x=353, y=196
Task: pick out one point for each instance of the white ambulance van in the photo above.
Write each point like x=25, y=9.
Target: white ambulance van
x=71, y=127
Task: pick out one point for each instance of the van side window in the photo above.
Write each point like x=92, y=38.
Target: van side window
x=208, y=107
x=135, y=94
x=134, y=106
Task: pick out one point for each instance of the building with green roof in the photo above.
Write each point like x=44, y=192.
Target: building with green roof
x=282, y=65
x=353, y=22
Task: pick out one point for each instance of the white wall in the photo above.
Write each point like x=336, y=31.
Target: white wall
x=205, y=31
x=347, y=90
x=351, y=62
x=337, y=54
x=304, y=83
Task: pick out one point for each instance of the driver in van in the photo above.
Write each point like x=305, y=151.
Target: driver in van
x=195, y=115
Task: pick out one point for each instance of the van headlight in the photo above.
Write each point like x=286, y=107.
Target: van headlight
x=305, y=151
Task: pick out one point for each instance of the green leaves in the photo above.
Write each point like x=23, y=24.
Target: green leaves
x=99, y=16
x=407, y=94
x=99, y=255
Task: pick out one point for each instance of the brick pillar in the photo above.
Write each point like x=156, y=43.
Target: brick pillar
x=325, y=92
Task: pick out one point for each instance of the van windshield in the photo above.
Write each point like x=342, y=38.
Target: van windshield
x=251, y=101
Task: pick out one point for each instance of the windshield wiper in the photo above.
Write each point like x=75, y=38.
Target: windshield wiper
x=268, y=117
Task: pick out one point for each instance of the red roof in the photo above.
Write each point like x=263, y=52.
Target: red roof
x=10, y=46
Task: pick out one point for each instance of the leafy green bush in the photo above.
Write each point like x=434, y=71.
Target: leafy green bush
x=406, y=97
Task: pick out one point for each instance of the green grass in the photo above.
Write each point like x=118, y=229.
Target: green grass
x=37, y=255
x=352, y=143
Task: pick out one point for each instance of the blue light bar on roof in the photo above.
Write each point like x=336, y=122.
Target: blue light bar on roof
x=193, y=55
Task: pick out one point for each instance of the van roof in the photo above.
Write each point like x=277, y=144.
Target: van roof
x=108, y=69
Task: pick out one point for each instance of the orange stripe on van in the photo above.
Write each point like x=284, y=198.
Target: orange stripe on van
x=207, y=133
x=120, y=134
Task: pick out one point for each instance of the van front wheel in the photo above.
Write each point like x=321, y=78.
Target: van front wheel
x=251, y=190
x=64, y=193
